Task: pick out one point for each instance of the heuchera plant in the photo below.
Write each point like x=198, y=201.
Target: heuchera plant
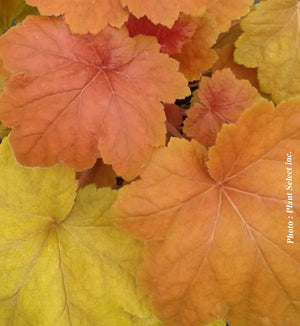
x=151, y=173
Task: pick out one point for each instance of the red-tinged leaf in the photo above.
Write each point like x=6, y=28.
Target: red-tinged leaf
x=80, y=96
x=170, y=39
x=220, y=99
x=226, y=60
x=93, y=16
x=189, y=40
x=216, y=233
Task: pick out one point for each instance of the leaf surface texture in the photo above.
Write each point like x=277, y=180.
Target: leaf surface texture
x=216, y=230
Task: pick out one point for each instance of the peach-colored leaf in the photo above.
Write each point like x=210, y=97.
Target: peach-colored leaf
x=82, y=97
x=220, y=99
x=226, y=60
x=216, y=233
x=84, y=16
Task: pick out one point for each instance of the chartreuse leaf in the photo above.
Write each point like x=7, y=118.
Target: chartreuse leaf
x=3, y=77
x=62, y=262
x=218, y=323
x=220, y=242
x=14, y=11
x=4, y=131
x=270, y=29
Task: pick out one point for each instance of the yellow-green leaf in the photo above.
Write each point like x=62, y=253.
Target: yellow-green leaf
x=218, y=323
x=4, y=131
x=62, y=262
x=2, y=81
x=271, y=41
x=14, y=10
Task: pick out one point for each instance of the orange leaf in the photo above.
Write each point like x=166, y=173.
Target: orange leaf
x=165, y=12
x=220, y=99
x=225, y=12
x=226, y=61
x=83, y=95
x=216, y=233
x=92, y=16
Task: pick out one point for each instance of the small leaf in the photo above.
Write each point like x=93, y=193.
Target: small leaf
x=220, y=99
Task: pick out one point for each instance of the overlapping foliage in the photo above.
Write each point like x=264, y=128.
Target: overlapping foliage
x=124, y=199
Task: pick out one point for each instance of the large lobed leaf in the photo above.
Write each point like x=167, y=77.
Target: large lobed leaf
x=216, y=231
x=271, y=43
x=62, y=262
x=74, y=98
